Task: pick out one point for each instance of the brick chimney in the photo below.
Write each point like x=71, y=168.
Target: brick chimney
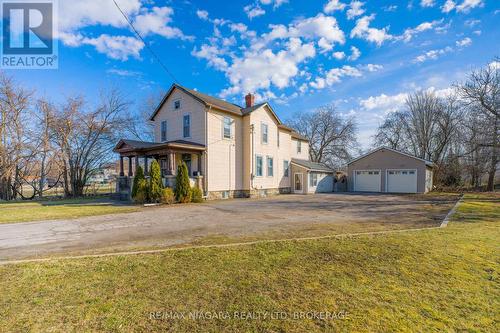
x=249, y=100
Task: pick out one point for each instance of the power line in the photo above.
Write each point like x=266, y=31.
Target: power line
x=144, y=42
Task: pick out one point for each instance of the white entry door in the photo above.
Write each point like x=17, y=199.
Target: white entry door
x=298, y=184
x=367, y=181
x=402, y=181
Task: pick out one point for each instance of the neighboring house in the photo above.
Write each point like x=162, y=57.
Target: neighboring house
x=230, y=151
x=388, y=170
x=105, y=174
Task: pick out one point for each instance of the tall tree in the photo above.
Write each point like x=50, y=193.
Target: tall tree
x=332, y=136
x=481, y=90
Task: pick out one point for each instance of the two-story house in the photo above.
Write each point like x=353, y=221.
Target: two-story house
x=230, y=151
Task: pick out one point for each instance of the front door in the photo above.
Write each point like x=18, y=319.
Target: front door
x=298, y=186
x=186, y=158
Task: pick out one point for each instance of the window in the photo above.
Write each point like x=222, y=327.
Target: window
x=278, y=138
x=313, y=179
x=258, y=166
x=227, y=128
x=187, y=126
x=177, y=104
x=299, y=147
x=270, y=166
x=285, y=169
x=164, y=131
x=264, y=133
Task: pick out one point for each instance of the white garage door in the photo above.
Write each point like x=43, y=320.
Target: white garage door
x=402, y=181
x=367, y=181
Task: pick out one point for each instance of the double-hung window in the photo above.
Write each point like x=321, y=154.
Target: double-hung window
x=258, y=166
x=177, y=104
x=186, y=122
x=270, y=166
x=299, y=146
x=265, y=132
x=285, y=169
x=164, y=131
x=227, y=128
x=314, y=179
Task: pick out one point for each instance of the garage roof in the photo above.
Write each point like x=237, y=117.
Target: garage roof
x=312, y=166
x=427, y=162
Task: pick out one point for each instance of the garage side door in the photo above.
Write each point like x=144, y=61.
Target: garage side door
x=367, y=181
x=402, y=181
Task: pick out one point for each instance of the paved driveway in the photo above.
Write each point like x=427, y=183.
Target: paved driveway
x=281, y=216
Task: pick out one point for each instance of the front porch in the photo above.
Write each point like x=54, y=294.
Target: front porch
x=168, y=154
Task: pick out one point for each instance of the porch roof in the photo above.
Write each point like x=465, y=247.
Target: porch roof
x=127, y=147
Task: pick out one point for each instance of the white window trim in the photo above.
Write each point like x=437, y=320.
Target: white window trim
x=262, y=167
x=299, y=144
x=311, y=174
x=190, y=125
x=262, y=124
x=267, y=166
x=166, y=131
x=288, y=168
x=180, y=104
x=231, y=136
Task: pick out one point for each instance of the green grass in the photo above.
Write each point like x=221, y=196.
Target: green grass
x=15, y=212
x=425, y=281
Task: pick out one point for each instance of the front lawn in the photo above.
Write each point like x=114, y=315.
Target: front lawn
x=26, y=211
x=424, y=281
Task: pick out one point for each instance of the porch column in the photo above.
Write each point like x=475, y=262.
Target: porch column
x=200, y=155
x=136, y=163
x=121, y=167
x=130, y=172
x=146, y=172
x=171, y=162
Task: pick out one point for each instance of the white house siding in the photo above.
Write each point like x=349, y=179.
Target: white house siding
x=304, y=154
x=174, y=118
x=225, y=156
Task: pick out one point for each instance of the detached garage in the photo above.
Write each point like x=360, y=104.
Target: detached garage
x=391, y=171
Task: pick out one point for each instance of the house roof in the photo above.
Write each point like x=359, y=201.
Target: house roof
x=312, y=166
x=427, y=162
x=299, y=136
x=134, y=145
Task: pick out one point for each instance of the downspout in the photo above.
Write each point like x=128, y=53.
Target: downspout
x=205, y=183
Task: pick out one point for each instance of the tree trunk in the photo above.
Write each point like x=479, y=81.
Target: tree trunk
x=494, y=159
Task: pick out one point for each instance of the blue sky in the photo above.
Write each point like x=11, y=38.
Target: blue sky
x=363, y=56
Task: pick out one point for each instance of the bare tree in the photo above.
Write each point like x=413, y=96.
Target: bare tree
x=481, y=90
x=14, y=111
x=85, y=138
x=141, y=128
x=332, y=137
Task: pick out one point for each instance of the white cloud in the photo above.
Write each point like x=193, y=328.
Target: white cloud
x=264, y=68
x=323, y=28
x=333, y=5
x=253, y=11
x=391, y=8
x=448, y=6
x=116, y=47
x=433, y=54
x=362, y=30
x=494, y=65
x=388, y=103
x=275, y=3
x=471, y=23
x=410, y=32
x=373, y=67
x=464, y=42
x=427, y=3
x=213, y=55
x=156, y=21
x=355, y=54
x=338, y=55
x=202, y=14
x=335, y=75
x=465, y=7
x=355, y=9
x=123, y=72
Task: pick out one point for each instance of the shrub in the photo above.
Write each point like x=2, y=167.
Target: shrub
x=182, y=186
x=139, y=175
x=155, y=182
x=196, y=195
x=167, y=196
x=141, y=195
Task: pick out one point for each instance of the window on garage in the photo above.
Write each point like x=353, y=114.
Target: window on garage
x=313, y=179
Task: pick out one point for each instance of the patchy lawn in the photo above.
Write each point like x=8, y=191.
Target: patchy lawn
x=27, y=211
x=433, y=280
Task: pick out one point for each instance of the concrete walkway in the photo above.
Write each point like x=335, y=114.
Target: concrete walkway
x=182, y=224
